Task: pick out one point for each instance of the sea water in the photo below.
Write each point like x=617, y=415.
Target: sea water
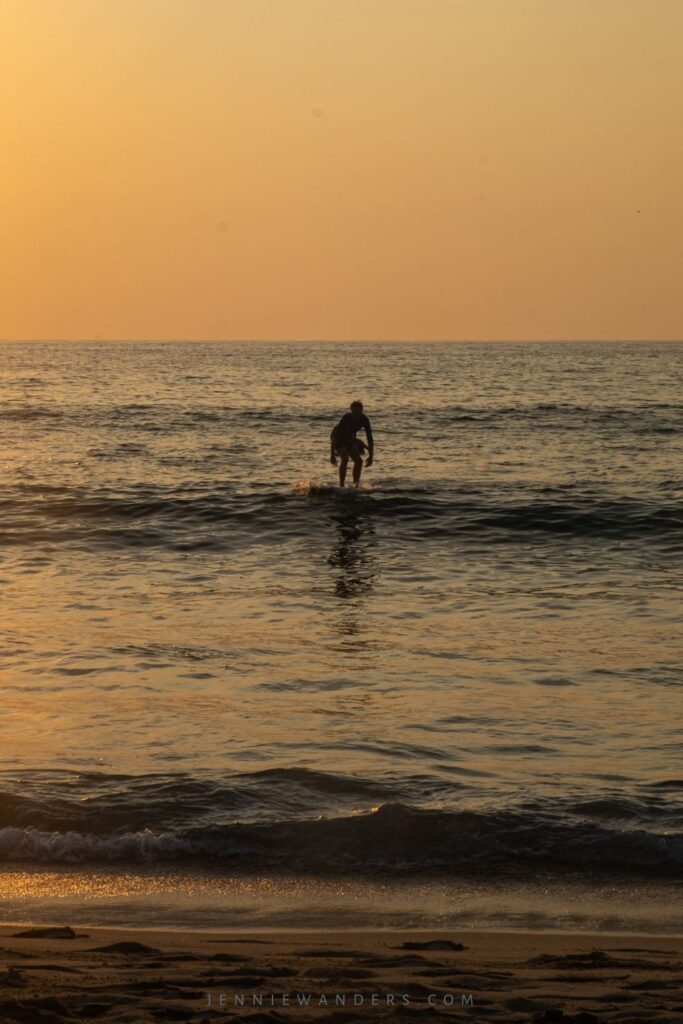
x=216, y=663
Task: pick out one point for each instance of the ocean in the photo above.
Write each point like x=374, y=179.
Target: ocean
x=234, y=693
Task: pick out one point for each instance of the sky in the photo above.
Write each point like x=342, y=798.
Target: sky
x=341, y=169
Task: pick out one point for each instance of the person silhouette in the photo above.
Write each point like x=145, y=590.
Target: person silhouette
x=345, y=444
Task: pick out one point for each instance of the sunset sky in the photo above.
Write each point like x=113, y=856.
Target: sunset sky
x=399, y=169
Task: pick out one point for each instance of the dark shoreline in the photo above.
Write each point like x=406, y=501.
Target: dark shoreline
x=49, y=976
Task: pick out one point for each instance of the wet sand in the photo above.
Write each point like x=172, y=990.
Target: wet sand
x=50, y=976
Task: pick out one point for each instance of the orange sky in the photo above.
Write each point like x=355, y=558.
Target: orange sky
x=341, y=169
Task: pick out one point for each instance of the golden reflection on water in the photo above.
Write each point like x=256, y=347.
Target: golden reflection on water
x=210, y=901
x=98, y=884
x=386, y=658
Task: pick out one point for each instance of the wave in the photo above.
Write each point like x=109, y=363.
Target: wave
x=394, y=838
x=157, y=515
x=173, y=418
x=303, y=821
x=99, y=802
x=638, y=418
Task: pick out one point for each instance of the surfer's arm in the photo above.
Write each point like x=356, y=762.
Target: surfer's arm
x=333, y=447
x=371, y=441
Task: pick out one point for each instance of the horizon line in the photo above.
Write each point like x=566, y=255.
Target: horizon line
x=339, y=341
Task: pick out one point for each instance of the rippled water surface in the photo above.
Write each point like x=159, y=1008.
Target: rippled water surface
x=210, y=651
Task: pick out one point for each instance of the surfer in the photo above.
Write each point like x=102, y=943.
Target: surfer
x=346, y=445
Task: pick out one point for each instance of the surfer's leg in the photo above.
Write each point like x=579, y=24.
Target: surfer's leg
x=343, y=454
x=357, y=464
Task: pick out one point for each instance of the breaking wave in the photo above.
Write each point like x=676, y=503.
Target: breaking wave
x=310, y=822
x=156, y=515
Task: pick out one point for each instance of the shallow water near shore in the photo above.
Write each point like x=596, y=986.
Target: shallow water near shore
x=213, y=900
x=213, y=657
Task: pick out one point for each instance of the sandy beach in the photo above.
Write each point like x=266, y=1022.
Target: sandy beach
x=52, y=975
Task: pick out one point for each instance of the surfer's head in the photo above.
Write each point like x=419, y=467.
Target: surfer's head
x=356, y=408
